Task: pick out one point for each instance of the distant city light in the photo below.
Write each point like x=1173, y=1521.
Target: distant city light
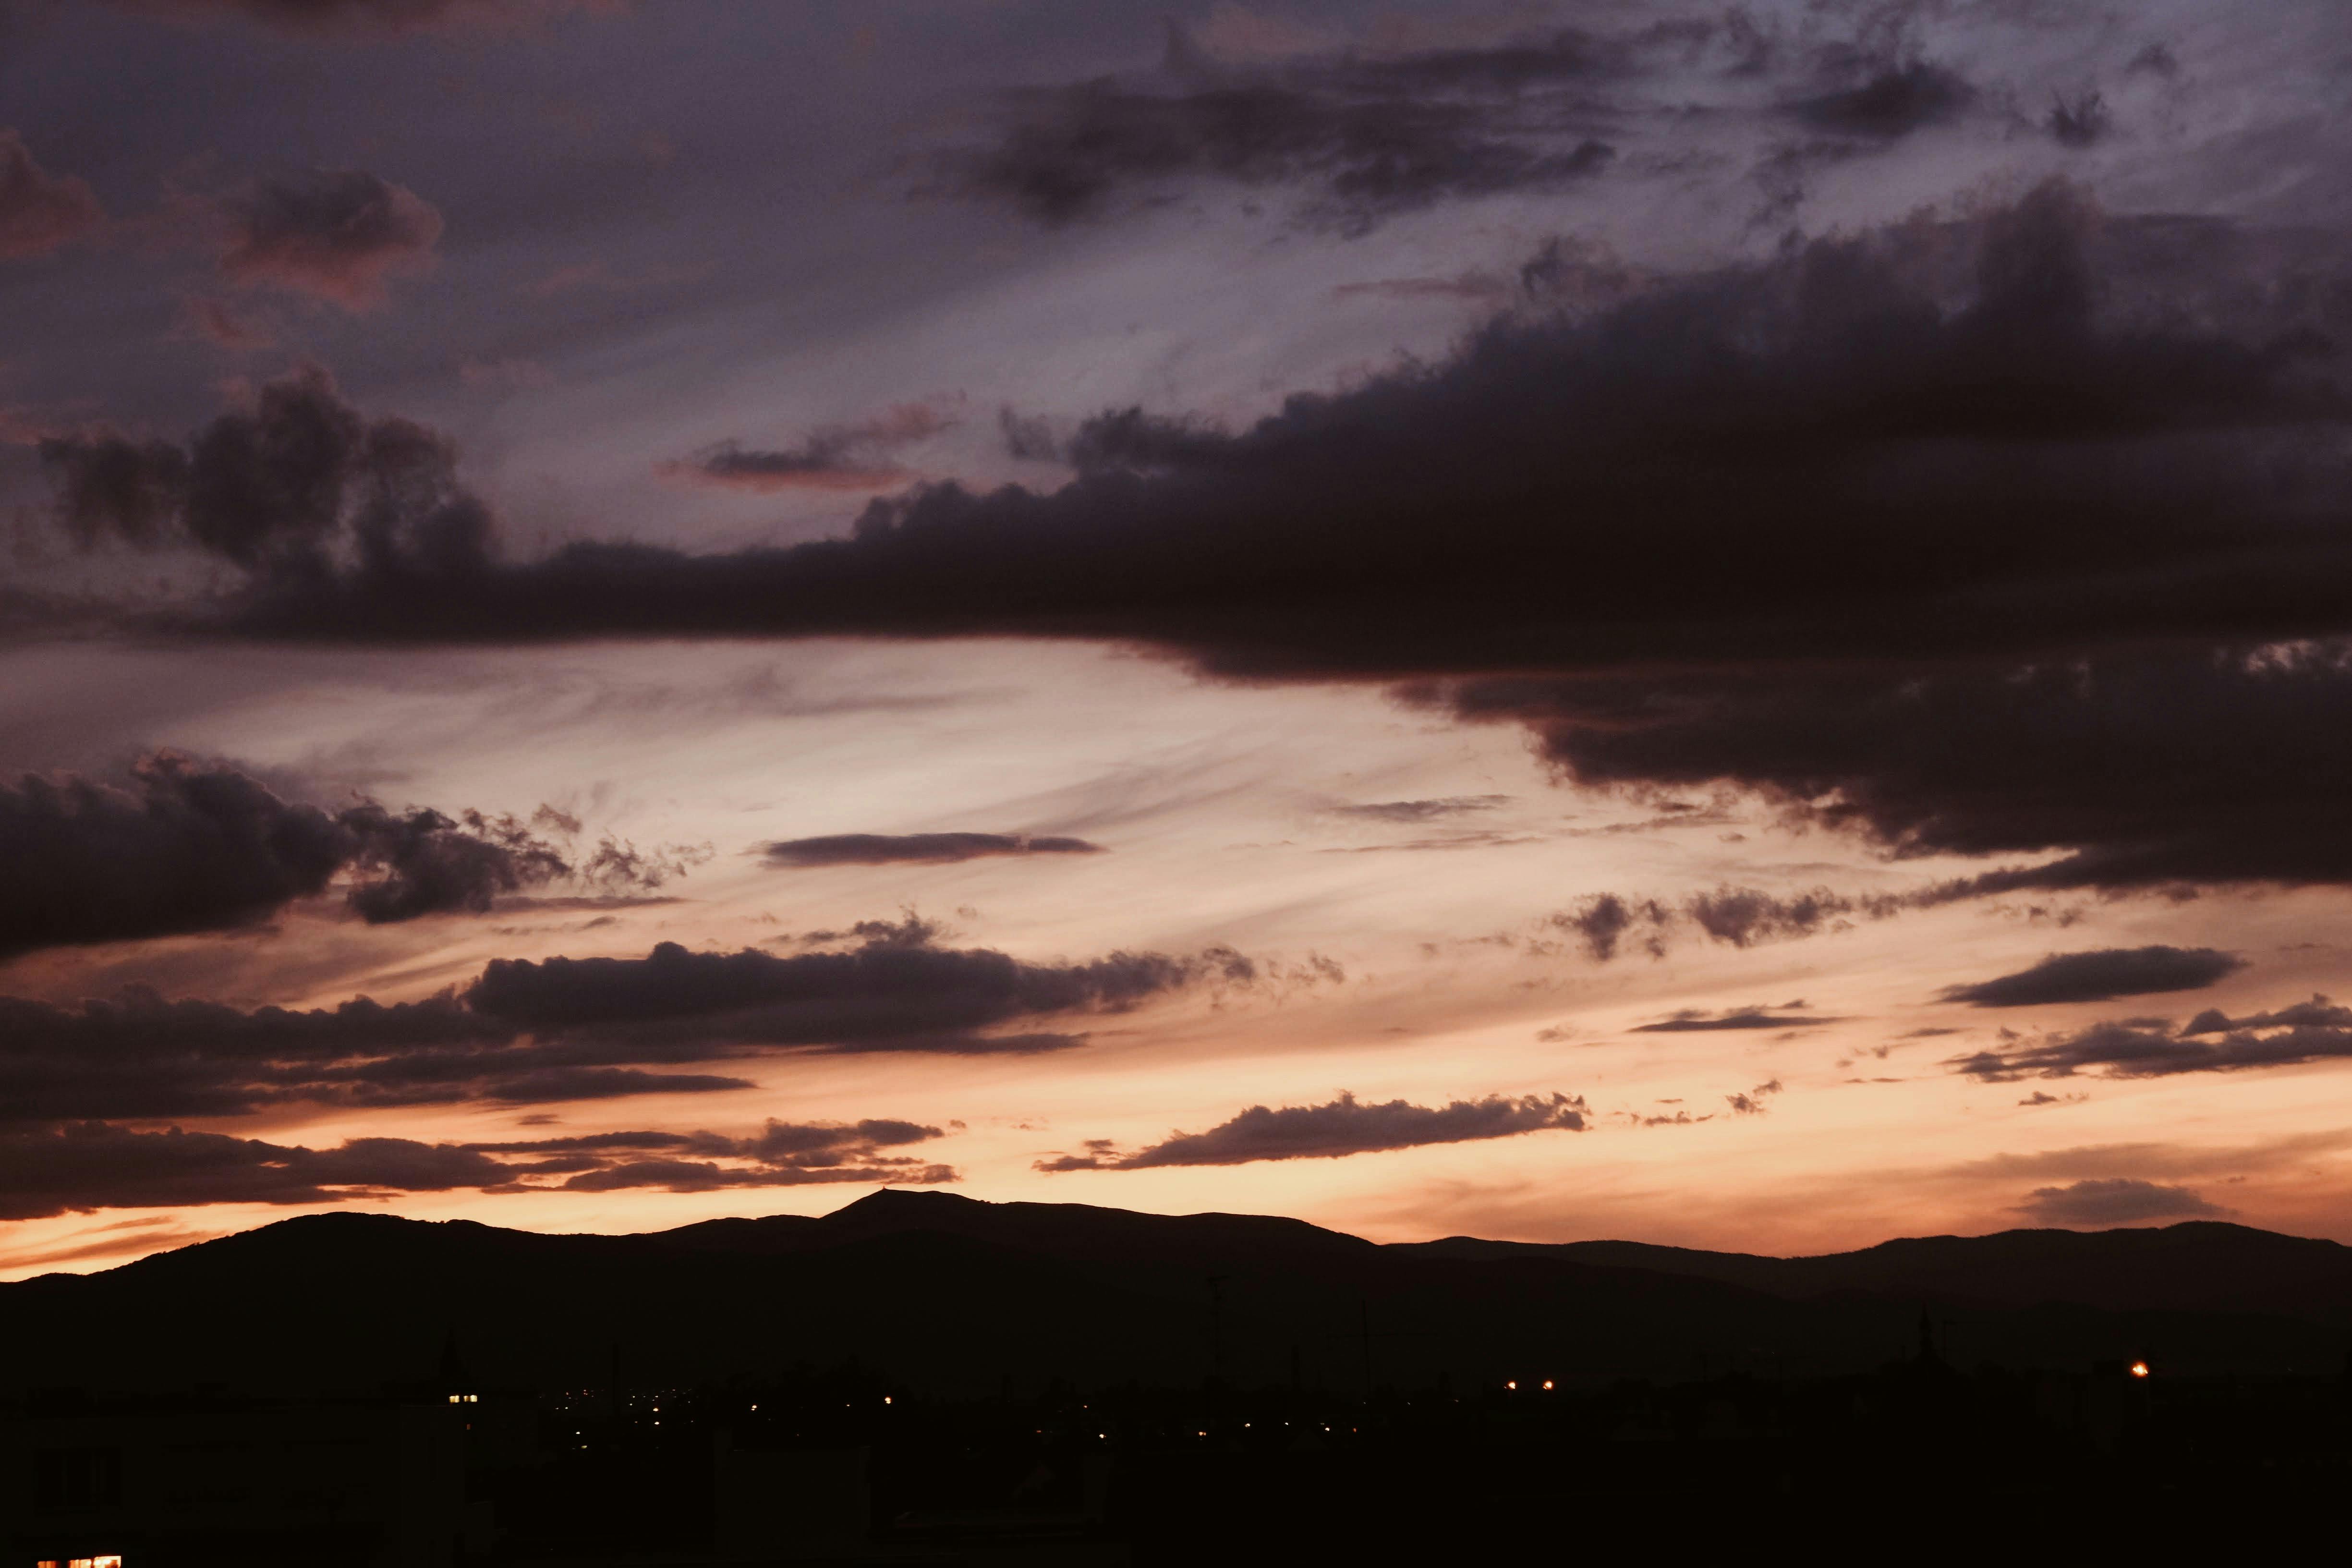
x=2140, y=1369
x=1513, y=1385
x=1547, y=1386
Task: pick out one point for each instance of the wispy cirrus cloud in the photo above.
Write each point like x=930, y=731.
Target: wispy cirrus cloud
x=360, y=19
x=916, y=848
x=1788, y=1016
x=853, y=456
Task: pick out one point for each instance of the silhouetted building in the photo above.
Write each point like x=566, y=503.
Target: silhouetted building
x=373, y=1484
x=783, y=1503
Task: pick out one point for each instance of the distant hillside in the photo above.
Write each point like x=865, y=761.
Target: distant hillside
x=955, y=1294
x=2200, y=1266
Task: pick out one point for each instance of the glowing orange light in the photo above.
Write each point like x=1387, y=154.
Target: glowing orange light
x=1513, y=1386
x=2140, y=1369
x=1547, y=1386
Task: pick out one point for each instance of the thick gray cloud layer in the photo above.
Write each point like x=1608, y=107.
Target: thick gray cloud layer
x=79, y=1166
x=1367, y=138
x=920, y=848
x=564, y=1029
x=1340, y=1127
x=2100, y=974
x=193, y=847
x=1359, y=136
x=1944, y=480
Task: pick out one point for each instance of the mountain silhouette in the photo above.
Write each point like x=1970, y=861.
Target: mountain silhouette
x=2196, y=1266
x=958, y=1296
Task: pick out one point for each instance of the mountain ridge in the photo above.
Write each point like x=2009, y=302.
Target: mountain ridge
x=952, y=1292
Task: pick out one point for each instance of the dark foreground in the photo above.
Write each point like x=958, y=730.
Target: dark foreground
x=1150, y=1391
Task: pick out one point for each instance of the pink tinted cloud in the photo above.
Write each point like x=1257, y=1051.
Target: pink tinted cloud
x=338, y=235
x=39, y=211
x=215, y=323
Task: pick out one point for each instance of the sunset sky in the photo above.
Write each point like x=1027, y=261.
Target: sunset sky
x=1722, y=625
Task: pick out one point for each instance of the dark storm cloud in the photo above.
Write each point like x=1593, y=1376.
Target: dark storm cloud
x=190, y=848
x=1367, y=138
x=866, y=997
x=1893, y=103
x=566, y=1029
x=80, y=1166
x=781, y=1154
x=2120, y=1200
x=109, y=484
x=338, y=235
x=812, y=1144
x=2078, y=121
x=2148, y=768
x=2102, y=974
x=921, y=849
x=39, y=211
x=1761, y=430
x=1693, y=1021
x=2318, y=1030
x=1343, y=1126
x=836, y=457
x=194, y=846
x=1978, y=537
x=701, y=1176
x=283, y=484
x=367, y=18
x=87, y=1166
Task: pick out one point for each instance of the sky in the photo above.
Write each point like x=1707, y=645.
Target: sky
x=1723, y=625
